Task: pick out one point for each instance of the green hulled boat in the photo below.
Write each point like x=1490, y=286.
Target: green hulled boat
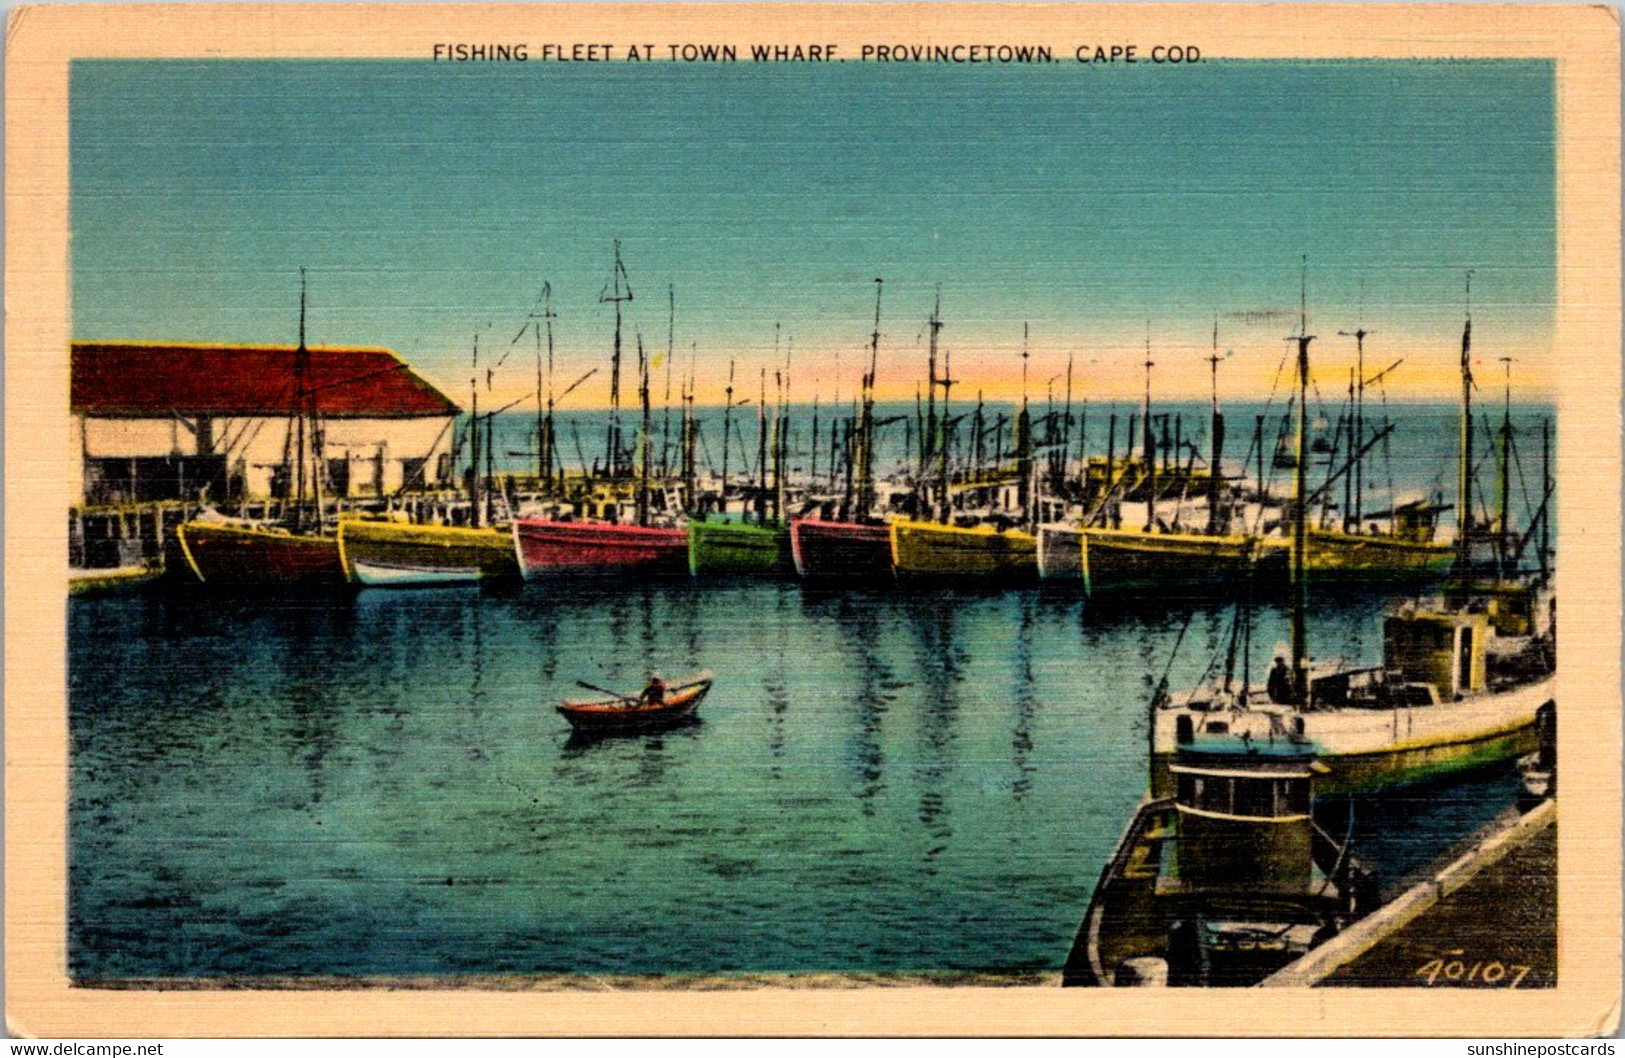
x=737, y=549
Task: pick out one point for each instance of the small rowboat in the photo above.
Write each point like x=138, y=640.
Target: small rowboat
x=623, y=713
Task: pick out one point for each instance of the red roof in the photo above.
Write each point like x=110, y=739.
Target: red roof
x=145, y=379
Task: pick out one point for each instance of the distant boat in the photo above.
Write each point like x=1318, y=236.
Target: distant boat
x=738, y=549
x=259, y=556
x=928, y=551
x=1361, y=558
x=629, y=713
x=841, y=550
x=393, y=554
x=1132, y=560
x=556, y=549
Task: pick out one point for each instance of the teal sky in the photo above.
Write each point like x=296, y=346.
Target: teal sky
x=429, y=200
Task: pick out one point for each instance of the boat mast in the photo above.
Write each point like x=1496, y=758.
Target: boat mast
x=1150, y=441
x=1464, y=488
x=946, y=382
x=866, y=420
x=690, y=436
x=474, y=437
x=1215, y=476
x=301, y=368
x=642, y=506
x=1359, y=334
x=671, y=345
x=928, y=434
x=490, y=441
x=612, y=292
x=1022, y=435
x=1501, y=540
x=781, y=448
x=1546, y=496
x=1300, y=521
x=1066, y=424
x=727, y=426
x=761, y=451
x=551, y=447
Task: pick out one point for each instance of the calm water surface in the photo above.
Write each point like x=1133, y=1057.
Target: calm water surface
x=379, y=783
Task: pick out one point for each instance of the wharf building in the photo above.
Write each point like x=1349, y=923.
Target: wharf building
x=162, y=429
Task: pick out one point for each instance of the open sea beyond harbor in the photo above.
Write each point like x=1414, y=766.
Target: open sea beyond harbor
x=881, y=781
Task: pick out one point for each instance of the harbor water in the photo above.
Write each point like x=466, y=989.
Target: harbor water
x=881, y=781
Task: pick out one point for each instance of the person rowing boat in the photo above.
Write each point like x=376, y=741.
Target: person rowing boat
x=659, y=704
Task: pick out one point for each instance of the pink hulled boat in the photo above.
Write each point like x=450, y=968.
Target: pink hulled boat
x=569, y=549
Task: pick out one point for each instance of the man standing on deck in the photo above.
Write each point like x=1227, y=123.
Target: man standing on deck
x=1280, y=682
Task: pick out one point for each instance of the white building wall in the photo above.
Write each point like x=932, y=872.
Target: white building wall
x=255, y=446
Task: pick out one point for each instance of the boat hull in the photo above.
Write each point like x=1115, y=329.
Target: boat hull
x=604, y=716
x=729, y=549
x=391, y=554
x=841, y=550
x=589, y=549
x=117, y=579
x=1125, y=560
x=1370, y=750
x=1354, y=558
x=928, y=551
x=248, y=556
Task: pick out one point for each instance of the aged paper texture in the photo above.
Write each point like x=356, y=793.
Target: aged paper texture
x=887, y=519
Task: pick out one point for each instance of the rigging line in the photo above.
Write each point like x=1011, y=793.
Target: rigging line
x=1162, y=684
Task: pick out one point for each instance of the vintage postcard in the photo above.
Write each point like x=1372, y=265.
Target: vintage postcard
x=812, y=519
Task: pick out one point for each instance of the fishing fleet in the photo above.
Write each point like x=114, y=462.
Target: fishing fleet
x=1224, y=873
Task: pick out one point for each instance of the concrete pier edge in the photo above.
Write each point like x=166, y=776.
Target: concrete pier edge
x=1398, y=913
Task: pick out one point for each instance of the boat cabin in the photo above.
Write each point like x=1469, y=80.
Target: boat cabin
x=1442, y=650
x=1244, y=821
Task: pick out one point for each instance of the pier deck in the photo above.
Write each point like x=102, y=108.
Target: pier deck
x=1488, y=919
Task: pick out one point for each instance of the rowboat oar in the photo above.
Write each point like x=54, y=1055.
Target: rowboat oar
x=606, y=690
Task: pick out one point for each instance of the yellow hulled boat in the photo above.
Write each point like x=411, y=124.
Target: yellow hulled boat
x=926, y=550
x=1366, y=557
x=393, y=554
x=1134, y=560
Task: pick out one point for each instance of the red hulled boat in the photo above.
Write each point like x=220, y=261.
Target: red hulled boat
x=553, y=549
x=840, y=550
x=625, y=713
x=225, y=554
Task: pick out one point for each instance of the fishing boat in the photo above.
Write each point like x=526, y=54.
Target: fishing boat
x=114, y=579
x=739, y=549
x=223, y=553
x=1164, y=556
x=1461, y=680
x=929, y=551
x=841, y=550
x=860, y=548
x=393, y=554
x=549, y=548
x=617, y=714
x=1132, y=560
x=1363, y=558
x=298, y=554
x=1224, y=879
